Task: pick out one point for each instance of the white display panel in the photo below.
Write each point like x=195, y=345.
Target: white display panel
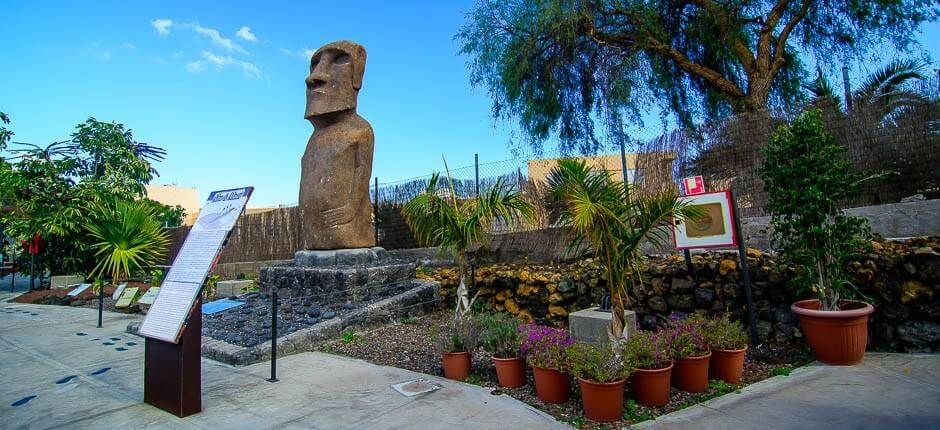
x=168, y=314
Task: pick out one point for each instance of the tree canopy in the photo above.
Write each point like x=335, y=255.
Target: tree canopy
x=567, y=68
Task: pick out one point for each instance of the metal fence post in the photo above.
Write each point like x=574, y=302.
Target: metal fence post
x=375, y=211
x=476, y=172
x=273, y=377
x=100, y=304
x=745, y=275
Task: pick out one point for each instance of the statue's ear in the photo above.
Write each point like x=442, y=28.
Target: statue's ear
x=359, y=66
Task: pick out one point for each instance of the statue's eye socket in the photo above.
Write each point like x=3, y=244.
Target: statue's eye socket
x=341, y=59
x=313, y=63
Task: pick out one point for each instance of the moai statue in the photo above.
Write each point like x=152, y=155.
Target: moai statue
x=336, y=167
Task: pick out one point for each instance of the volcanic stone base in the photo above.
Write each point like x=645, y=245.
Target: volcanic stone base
x=339, y=257
x=423, y=297
x=591, y=325
x=336, y=284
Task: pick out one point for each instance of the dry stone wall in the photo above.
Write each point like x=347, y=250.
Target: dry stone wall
x=902, y=280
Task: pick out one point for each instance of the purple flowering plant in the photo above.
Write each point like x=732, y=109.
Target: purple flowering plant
x=687, y=337
x=648, y=350
x=545, y=346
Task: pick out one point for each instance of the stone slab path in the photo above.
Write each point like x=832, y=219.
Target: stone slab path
x=887, y=391
x=58, y=371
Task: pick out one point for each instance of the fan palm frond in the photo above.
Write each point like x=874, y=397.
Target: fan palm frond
x=127, y=236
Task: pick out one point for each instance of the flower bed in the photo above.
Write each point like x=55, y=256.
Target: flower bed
x=410, y=344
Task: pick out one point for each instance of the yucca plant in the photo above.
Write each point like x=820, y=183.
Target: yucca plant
x=602, y=217
x=456, y=225
x=127, y=236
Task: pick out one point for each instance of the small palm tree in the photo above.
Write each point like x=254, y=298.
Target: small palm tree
x=127, y=236
x=603, y=217
x=457, y=225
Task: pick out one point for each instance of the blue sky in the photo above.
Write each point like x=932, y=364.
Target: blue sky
x=220, y=85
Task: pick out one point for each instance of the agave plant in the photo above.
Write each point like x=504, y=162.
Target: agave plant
x=457, y=225
x=601, y=216
x=127, y=236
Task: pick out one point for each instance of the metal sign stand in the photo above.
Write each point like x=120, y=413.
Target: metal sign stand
x=745, y=274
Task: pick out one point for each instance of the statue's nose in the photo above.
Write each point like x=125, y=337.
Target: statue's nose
x=315, y=79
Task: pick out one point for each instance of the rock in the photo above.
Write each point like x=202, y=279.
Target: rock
x=657, y=303
x=924, y=250
x=658, y=286
x=914, y=198
x=557, y=311
x=909, y=268
x=682, y=302
x=565, y=286
x=329, y=315
x=287, y=308
x=763, y=329
x=727, y=266
x=314, y=311
x=920, y=333
x=785, y=332
x=704, y=297
x=349, y=306
x=681, y=285
x=511, y=306
x=753, y=253
x=783, y=314
x=555, y=298
x=912, y=290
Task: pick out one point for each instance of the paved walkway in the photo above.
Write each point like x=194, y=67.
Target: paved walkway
x=58, y=371
x=888, y=391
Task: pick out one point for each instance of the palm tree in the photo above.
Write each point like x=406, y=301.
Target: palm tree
x=457, y=225
x=127, y=236
x=603, y=217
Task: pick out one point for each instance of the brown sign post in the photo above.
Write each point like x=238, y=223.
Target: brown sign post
x=173, y=372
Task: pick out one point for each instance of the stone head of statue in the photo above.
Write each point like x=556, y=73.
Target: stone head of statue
x=336, y=71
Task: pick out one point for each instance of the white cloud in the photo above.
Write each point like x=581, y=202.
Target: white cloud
x=246, y=34
x=218, y=40
x=162, y=25
x=222, y=61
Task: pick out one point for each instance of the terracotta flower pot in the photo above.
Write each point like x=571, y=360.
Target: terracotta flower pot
x=651, y=386
x=691, y=373
x=603, y=402
x=510, y=371
x=727, y=364
x=836, y=337
x=551, y=386
x=456, y=365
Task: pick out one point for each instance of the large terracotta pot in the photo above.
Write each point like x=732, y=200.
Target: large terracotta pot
x=551, y=386
x=456, y=365
x=603, y=402
x=691, y=373
x=836, y=337
x=510, y=371
x=727, y=364
x=651, y=386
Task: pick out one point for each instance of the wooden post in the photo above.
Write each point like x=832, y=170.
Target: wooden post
x=173, y=372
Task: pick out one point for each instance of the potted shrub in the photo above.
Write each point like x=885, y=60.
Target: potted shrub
x=499, y=335
x=806, y=176
x=601, y=376
x=728, y=343
x=457, y=344
x=647, y=354
x=545, y=350
x=691, y=354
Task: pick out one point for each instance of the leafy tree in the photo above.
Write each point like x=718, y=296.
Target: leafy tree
x=602, y=216
x=5, y=133
x=50, y=188
x=126, y=236
x=456, y=225
x=806, y=175
x=168, y=216
x=558, y=66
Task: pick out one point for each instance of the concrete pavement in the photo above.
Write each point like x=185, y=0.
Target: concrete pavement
x=59, y=371
x=887, y=391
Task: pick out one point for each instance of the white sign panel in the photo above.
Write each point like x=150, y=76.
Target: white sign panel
x=715, y=228
x=180, y=289
x=118, y=291
x=77, y=291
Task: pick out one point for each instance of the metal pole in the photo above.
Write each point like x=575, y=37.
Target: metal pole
x=13, y=269
x=688, y=261
x=375, y=211
x=476, y=169
x=100, y=303
x=273, y=377
x=848, y=88
x=745, y=275
x=32, y=274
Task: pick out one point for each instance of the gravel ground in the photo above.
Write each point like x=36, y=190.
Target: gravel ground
x=411, y=344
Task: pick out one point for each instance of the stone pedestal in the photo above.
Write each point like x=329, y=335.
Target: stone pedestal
x=337, y=276
x=232, y=288
x=64, y=281
x=591, y=325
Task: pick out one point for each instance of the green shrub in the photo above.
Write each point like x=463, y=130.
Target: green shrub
x=807, y=176
x=722, y=333
x=499, y=334
x=126, y=237
x=596, y=363
x=461, y=336
x=687, y=337
x=648, y=350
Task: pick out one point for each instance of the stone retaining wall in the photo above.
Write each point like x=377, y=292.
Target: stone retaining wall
x=901, y=279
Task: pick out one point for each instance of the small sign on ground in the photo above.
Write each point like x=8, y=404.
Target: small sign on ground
x=414, y=387
x=118, y=291
x=220, y=305
x=79, y=290
x=149, y=296
x=127, y=297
